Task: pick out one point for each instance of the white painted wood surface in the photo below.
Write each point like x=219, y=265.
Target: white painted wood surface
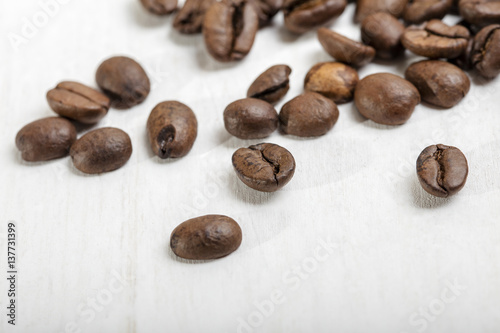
x=93, y=250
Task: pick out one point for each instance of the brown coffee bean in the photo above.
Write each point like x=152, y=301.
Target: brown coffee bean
x=265, y=167
x=206, y=237
x=333, y=80
x=266, y=10
x=229, y=29
x=124, y=81
x=189, y=20
x=436, y=40
x=386, y=98
x=438, y=82
x=419, y=11
x=344, y=49
x=101, y=150
x=308, y=115
x=304, y=15
x=46, y=139
x=76, y=101
x=485, y=54
x=365, y=8
x=442, y=170
x=250, y=118
x=271, y=85
x=480, y=12
x=159, y=7
x=383, y=32
x=172, y=129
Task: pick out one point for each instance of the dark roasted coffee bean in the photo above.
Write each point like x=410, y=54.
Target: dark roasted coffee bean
x=124, y=81
x=333, y=80
x=344, y=49
x=102, y=150
x=265, y=167
x=206, y=237
x=250, y=118
x=229, y=29
x=485, y=54
x=172, y=129
x=436, y=40
x=438, y=82
x=383, y=32
x=266, y=10
x=308, y=115
x=442, y=170
x=76, y=101
x=271, y=85
x=364, y=8
x=386, y=98
x=480, y=12
x=189, y=20
x=46, y=139
x=160, y=7
x=418, y=11
x=305, y=15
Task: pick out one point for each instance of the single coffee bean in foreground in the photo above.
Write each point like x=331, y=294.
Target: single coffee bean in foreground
x=101, y=150
x=46, y=139
x=364, y=8
x=160, y=7
x=480, y=12
x=172, y=129
x=304, y=15
x=266, y=10
x=438, y=82
x=189, y=20
x=333, y=80
x=229, y=29
x=442, y=170
x=308, y=115
x=265, y=167
x=485, y=54
x=386, y=98
x=344, y=49
x=250, y=118
x=206, y=237
x=78, y=102
x=271, y=85
x=419, y=11
x=383, y=32
x=124, y=81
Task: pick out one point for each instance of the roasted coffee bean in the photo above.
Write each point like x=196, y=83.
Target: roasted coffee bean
x=438, y=82
x=160, y=7
x=271, y=85
x=386, y=98
x=46, y=139
x=250, y=118
x=102, y=150
x=480, y=12
x=365, y=8
x=419, y=11
x=383, y=32
x=333, y=80
x=266, y=10
x=308, y=115
x=265, y=167
x=172, y=129
x=442, y=170
x=229, y=29
x=189, y=20
x=464, y=61
x=76, y=101
x=436, y=40
x=305, y=15
x=485, y=54
x=124, y=81
x=344, y=49
x=206, y=237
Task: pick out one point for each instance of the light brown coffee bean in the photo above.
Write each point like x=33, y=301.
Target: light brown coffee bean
x=419, y=11
x=344, y=49
x=480, y=12
x=250, y=118
x=271, y=85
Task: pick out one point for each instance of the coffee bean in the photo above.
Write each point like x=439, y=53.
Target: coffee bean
x=271, y=85
x=76, y=101
x=308, y=115
x=333, y=80
x=442, y=170
x=206, y=237
x=189, y=20
x=266, y=10
x=365, y=8
x=304, y=15
x=344, y=49
x=172, y=129
x=419, y=11
x=124, y=81
x=265, y=167
x=383, y=32
x=463, y=61
x=102, y=150
x=46, y=139
x=250, y=118
x=229, y=29
x=160, y=7
x=480, y=12
x=438, y=82
x=436, y=40
x=485, y=54
x=386, y=98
